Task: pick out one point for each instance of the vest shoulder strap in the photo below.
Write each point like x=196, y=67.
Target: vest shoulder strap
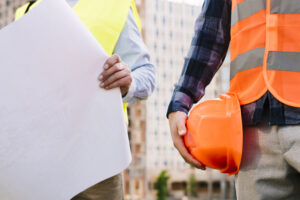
x=21, y=11
x=25, y=8
x=30, y=3
x=136, y=15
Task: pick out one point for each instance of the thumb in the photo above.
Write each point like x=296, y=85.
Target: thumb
x=181, y=127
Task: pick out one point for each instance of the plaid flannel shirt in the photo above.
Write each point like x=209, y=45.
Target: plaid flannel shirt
x=206, y=54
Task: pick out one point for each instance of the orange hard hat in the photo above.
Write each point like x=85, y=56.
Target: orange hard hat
x=215, y=133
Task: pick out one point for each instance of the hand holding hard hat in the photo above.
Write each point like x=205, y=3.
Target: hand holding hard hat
x=177, y=121
x=215, y=134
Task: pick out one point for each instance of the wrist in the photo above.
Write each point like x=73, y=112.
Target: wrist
x=127, y=97
x=124, y=91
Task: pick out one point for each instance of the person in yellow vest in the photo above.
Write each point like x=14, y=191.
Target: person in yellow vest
x=116, y=26
x=265, y=76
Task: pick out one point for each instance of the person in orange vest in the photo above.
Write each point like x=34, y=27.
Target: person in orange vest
x=264, y=74
x=129, y=68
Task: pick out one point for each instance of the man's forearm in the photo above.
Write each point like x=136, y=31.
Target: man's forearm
x=206, y=54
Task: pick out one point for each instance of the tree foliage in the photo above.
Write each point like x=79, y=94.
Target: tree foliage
x=192, y=186
x=161, y=185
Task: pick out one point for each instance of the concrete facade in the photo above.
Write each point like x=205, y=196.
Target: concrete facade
x=168, y=31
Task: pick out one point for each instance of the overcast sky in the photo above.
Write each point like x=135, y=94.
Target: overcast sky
x=193, y=2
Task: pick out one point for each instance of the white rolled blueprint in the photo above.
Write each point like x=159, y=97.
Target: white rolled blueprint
x=59, y=132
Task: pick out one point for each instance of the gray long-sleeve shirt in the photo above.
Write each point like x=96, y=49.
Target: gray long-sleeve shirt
x=133, y=51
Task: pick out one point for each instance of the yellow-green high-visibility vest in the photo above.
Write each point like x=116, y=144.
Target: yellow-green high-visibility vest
x=105, y=19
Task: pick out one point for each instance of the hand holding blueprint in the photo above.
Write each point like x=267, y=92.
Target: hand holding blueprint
x=59, y=132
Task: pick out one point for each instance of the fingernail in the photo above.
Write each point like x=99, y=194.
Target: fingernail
x=199, y=166
x=100, y=77
x=105, y=66
x=102, y=84
x=120, y=67
x=181, y=132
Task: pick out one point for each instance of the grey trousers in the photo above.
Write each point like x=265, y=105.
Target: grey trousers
x=270, y=168
x=109, y=189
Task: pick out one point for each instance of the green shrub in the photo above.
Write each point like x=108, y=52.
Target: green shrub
x=161, y=185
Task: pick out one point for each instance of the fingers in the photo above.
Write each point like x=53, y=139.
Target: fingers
x=111, y=61
x=111, y=70
x=179, y=145
x=178, y=128
x=115, y=74
x=181, y=127
x=177, y=124
x=115, y=77
x=119, y=83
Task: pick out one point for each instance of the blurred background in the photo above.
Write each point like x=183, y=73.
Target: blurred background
x=157, y=170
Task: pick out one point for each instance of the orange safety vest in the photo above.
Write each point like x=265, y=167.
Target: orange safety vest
x=265, y=50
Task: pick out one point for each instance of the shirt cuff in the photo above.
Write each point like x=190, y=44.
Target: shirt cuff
x=130, y=94
x=180, y=102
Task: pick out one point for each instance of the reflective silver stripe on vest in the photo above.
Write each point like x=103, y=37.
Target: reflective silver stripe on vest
x=250, y=59
x=285, y=6
x=246, y=9
x=284, y=61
